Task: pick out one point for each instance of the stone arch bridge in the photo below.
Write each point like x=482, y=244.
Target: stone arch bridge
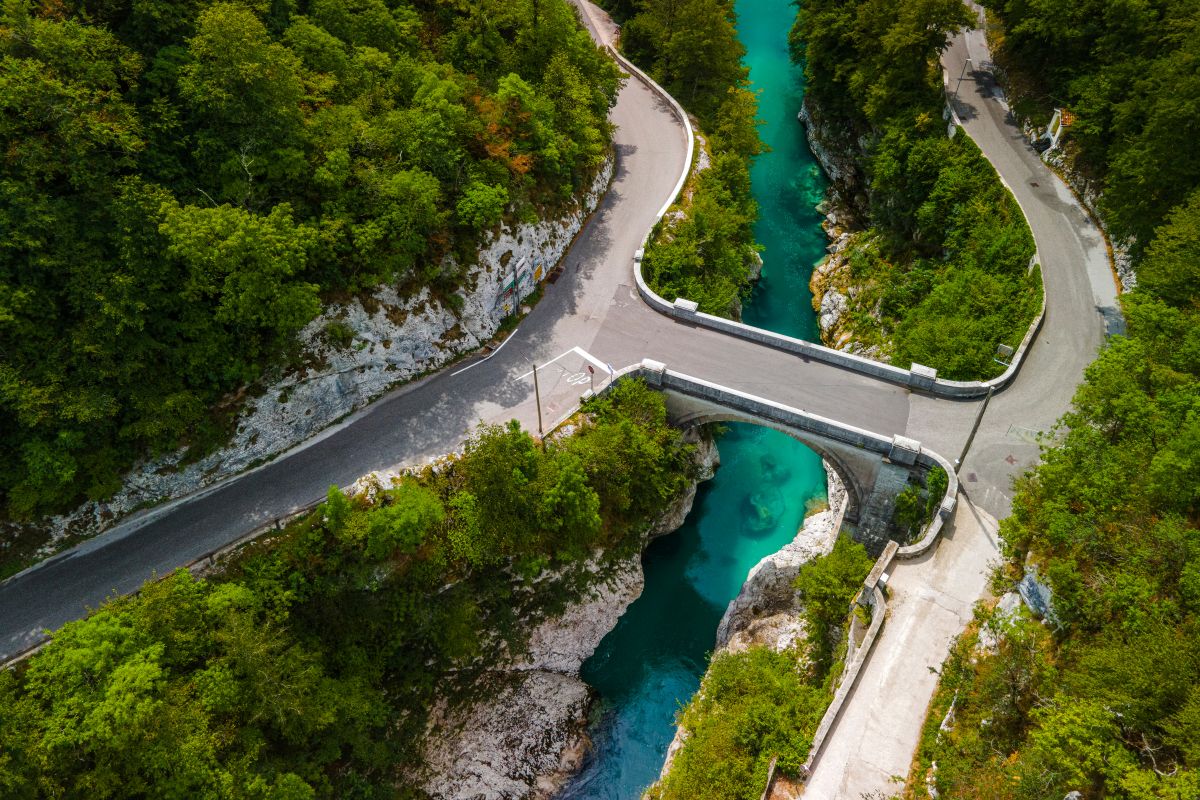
x=874, y=468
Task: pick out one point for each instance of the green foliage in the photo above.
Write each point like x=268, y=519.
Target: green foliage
x=826, y=586
x=943, y=269
x=916, y=505
x=1106, y=706
x=181, y=184
x=751, y=707
x=936, y=484
x=705, y=252
x=909, y=513
x=691, y=48
x=1128, y=72
x=1171, y=267
x=482, y=206
x=308, y=666
x=870, y=62
x=184, y=692
x=758, y=704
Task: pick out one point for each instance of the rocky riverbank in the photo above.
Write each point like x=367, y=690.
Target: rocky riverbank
x=351, y=354
x=766, y=611
x=838, y=300
x=529, y=735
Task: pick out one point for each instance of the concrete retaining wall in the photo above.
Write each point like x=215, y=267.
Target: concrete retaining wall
x=849, y=677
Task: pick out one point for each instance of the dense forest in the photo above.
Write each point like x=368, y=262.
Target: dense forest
x=183, y=183
x=308, y=665
x=1101, y=698
x=941, y=271
x=1129, y=72
x=704, y=250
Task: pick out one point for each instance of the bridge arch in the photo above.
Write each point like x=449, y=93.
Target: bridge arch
x=835, y=460
x=874, y=468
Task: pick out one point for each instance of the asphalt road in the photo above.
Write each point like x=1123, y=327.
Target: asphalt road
x=594, y=307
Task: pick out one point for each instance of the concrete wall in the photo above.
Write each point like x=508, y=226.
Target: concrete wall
x=919, y=377
x=869, y=464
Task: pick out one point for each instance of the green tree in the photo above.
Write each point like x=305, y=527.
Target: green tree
x=482, y=206
x=826, y=586
x=244, y=263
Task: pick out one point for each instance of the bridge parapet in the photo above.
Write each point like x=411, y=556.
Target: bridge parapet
x=854, y=452
x=918, y=376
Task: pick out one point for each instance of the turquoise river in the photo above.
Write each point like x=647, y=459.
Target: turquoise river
x=652, y=662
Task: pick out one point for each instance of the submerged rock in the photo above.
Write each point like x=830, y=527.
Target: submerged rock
x=760, y=612
x=766, y=611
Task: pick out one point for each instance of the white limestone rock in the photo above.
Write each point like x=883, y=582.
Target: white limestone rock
x=394, y=339
x=707, y=459
x=524, y=741
x=522, y=744
x=562, y=644
x=834, y=305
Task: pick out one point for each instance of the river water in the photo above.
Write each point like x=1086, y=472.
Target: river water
x=652, y=662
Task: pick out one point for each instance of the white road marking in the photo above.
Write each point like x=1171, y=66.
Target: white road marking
x=579, y=351
x=488, y=356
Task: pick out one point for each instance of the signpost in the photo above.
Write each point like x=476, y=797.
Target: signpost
x=537, y=399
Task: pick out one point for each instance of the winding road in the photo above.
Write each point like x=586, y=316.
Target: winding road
x=595, y=306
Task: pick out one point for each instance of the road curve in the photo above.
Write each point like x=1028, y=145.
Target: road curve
x=594, y=306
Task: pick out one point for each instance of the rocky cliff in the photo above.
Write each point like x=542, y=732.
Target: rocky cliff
x=840, y=153
x=529, y=736
x=354, y=352
x=837, y=299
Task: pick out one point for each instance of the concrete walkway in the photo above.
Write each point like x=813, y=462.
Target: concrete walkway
x=931, y=601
